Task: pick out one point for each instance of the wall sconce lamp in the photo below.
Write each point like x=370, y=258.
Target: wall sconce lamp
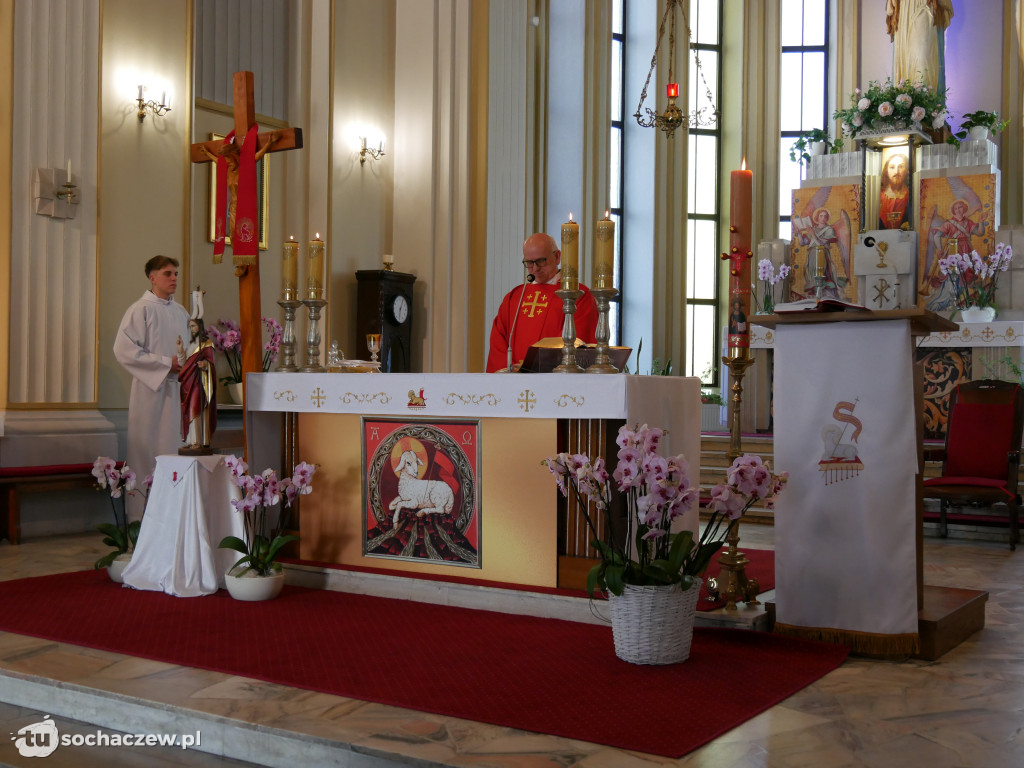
x=364, y=151
x=53, y=193
x=146, y=107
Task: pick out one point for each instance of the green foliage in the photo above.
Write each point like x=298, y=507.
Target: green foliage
x=977, y=119
x=122, y=539
x=892, y=106
x=799, y=150
x=262, y=555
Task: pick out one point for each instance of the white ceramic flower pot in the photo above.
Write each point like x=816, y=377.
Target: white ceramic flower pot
x=978, y=314
x=978, y=133
x=236, y=392
x=816, y=148
x=116, y=569
x=252, y=587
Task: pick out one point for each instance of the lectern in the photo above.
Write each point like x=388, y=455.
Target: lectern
x=849, y=537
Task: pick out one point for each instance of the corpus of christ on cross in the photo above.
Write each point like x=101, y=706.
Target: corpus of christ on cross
x=238, y=162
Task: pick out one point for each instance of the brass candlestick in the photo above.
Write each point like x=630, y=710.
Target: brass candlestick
x=732, y=579
x=289, y=305
x=313, y=336
x=568, y=364
x=602, y=363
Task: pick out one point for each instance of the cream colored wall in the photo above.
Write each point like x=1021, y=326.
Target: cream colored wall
x=6, y=102
x=364, y=105
x=143, y=167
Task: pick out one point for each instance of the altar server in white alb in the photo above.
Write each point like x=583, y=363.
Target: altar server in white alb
x=146, y=345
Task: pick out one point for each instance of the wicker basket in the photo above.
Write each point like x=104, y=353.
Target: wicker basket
x=654, y=625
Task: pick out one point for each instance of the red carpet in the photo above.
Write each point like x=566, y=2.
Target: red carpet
x=543, y=675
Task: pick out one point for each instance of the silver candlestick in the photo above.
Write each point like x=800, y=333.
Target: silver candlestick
x=569, y=364
x=313, y=336
x=288, y=335
x=602, y=363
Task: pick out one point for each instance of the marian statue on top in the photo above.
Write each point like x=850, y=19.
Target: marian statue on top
x=197, y=381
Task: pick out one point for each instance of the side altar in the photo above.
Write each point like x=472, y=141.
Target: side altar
x=442, y=474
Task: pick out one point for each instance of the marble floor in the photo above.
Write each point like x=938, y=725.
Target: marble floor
x=965, y=709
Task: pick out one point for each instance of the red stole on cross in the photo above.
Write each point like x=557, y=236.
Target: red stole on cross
x=245, y=239
x=221, y=203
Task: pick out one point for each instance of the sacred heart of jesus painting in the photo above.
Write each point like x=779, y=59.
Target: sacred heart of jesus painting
x=421, y=491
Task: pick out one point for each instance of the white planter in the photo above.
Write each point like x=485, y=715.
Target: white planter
x=978, y=133
x=816, y=148
x=235, y=391
x=654, y=625
x=978, y=315
x=253, y=587
x=710, y=417
x=116, y=569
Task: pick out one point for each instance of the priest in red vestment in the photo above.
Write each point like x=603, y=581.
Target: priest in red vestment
x=532, y=311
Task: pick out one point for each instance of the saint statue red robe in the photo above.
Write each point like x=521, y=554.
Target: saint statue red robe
x=198, y=386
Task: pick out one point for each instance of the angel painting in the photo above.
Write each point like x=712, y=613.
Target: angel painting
x=822, y=223
x=957, y=216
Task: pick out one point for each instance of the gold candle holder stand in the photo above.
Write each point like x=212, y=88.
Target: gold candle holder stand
x=568, y=364
x=602, y=363
x=732, y=580
x=313, y=336
x=289, y=304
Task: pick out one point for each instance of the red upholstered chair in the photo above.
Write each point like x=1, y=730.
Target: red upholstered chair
x=981, y=459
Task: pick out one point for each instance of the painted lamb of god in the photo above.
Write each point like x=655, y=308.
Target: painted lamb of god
x=421, y=495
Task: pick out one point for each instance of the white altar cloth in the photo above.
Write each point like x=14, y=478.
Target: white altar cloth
x=472, y=395
x=188, y=513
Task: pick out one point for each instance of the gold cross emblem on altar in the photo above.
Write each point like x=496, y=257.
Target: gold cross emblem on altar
x=534, y=305
x=318, y=397
x=527, y=400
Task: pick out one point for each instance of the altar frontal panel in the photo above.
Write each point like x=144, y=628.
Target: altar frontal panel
x=515, y=520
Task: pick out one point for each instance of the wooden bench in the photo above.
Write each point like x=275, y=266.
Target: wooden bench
x=16, y=480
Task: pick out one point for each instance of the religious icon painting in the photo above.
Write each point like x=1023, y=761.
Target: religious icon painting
x=894, y=191
x=839, y=459
x=944, y=370
x=825, y=222
x=957, y=215
x=421, y=492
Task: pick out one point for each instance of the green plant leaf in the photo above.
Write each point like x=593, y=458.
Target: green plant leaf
x=235, y=543
x=613, y=578
x=276, y=545
x=106, y=560
x=595, y=578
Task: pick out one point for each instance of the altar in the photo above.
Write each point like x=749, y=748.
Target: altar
x=477, y=443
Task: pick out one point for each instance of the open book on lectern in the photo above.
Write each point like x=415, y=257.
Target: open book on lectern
x=818, y=305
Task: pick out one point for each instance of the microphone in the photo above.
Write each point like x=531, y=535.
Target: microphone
x=511, y=333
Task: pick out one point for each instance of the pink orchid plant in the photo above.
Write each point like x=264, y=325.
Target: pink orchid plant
x=121, y=482
x=227, y=338
x=657, y=492
x=258, y=493
x=769, y=279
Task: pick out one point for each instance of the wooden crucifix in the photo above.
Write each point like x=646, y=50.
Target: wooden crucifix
x=248, y=274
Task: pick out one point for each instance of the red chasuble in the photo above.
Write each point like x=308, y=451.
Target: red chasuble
x=540, y=316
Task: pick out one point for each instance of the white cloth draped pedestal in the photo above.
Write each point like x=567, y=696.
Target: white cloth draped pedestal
x=188, y=514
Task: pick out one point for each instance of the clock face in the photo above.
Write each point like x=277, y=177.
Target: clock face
x=399, y=309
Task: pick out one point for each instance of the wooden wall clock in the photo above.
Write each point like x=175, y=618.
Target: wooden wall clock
x=384, y=306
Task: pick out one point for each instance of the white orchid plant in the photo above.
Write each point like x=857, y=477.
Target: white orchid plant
x=258, y=493
x=658, y=491
x=121, y=482
x=769, y=277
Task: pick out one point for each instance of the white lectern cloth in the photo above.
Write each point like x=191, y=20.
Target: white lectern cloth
x=188, y=513
x=845, y=536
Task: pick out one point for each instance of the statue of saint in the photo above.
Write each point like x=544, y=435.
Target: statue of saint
x=917, y=29
x=197, y=382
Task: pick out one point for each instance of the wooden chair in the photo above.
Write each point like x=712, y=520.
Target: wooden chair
x=981, y=458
